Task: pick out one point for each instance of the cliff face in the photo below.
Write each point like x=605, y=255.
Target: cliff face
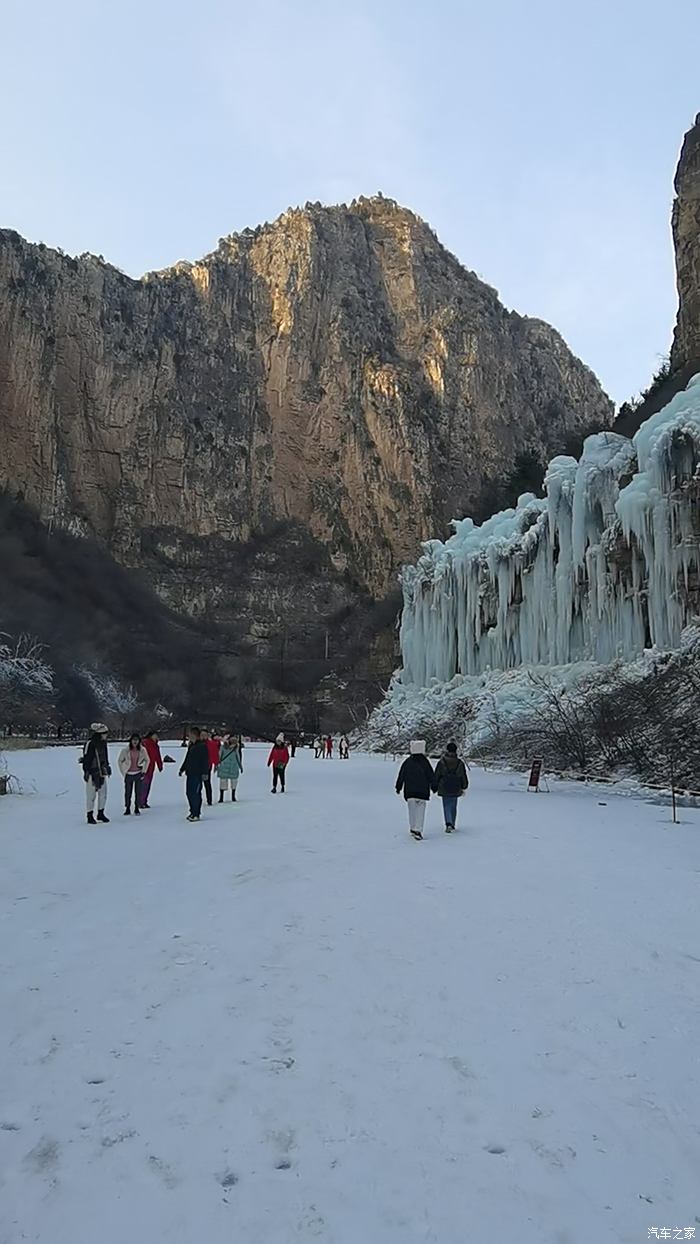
x=686, y=236
x=685, y=351
x=272, y=431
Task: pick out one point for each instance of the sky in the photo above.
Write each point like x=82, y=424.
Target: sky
x=538, y=138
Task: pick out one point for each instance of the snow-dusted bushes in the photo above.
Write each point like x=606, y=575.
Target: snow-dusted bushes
x=117, y=702
x=638, y=718
x=26, y=681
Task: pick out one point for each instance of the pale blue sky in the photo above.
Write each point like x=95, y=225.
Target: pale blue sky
x=538, y=137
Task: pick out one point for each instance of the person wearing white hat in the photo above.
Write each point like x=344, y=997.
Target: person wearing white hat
x=96, y=770
x=279, y=759
x=415, y=781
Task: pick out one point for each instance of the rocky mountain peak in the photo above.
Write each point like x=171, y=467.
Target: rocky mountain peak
x=271, y=431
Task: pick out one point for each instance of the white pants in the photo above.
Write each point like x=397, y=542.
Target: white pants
x=416, y=813
x=224, y=783
x=92, y=793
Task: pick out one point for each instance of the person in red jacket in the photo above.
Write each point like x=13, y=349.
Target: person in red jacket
x=213, y=752
x=279, y=759
x=155, y=761
x=214, y=749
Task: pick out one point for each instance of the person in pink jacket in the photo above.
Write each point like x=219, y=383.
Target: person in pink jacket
x=279, y=759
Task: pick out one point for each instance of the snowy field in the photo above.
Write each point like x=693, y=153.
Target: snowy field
x=291, y=1022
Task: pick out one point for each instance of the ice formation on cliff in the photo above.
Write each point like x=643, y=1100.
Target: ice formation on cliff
x=597, y=569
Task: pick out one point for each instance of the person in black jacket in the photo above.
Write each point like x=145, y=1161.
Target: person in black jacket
x=416, y=781
x=450, y=783
x=96, y=770
x=195, y=765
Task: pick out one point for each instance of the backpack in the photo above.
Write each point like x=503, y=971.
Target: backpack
x=451, y=779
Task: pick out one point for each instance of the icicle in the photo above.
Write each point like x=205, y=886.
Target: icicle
x=588, y=572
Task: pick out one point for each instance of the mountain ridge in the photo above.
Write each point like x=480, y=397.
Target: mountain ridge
x=304, y=405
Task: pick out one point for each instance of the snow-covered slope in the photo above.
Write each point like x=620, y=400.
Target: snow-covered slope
x=600, y=568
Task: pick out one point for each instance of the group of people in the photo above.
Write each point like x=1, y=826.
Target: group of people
x=206, y=754
x=137, y=763
x=139, y=759
x=324, y=744
x=417, y=781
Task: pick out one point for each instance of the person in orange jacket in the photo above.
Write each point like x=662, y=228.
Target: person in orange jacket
x=279, y=759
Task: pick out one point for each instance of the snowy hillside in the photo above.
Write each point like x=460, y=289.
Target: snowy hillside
x=603, y=567
x=292, y=1023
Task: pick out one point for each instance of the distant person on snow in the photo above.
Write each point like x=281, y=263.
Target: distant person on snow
x=279, y=759
x=195, y=765
x=450, y=783
x=96, y=770
x=155, y=761
x=230, y=766
x=415, y=780
x=329, y=747
x=213, y=746
x=293, y=745
x=344, y=748
x=132, y=763
x=318, y=747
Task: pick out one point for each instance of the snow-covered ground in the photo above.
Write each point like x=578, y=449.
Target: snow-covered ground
x=291, y=1022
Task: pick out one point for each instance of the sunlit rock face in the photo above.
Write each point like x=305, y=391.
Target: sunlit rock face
x=604, y=565
x=332, y=387
x=686, y=237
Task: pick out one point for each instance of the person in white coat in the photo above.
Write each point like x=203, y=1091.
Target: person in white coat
x=132, y=763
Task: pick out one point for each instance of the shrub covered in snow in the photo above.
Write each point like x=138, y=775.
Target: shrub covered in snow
x=637, y=718
x=26, y=681
x=117, y=701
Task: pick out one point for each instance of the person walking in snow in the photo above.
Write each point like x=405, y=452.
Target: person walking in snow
x=96, y=770
x=344, y=747
x=155, y=761
x=195, y=765
x=132, y=763
x=450, y=783
x=415, y=781
x=318, y=747
x=230, y=766
x=279, y=759
x=329, y=747
x=213, y=754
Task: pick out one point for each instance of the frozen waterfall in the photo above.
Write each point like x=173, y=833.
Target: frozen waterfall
x=597, y=569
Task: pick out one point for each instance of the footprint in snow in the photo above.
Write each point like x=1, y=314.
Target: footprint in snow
x=495, y=1149
x=44, y=1156
x=462, y=1069
x=108, y=1142
x=279, y=1064
x=161, y=1168
x=227, y=1179
x=285, y=1143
